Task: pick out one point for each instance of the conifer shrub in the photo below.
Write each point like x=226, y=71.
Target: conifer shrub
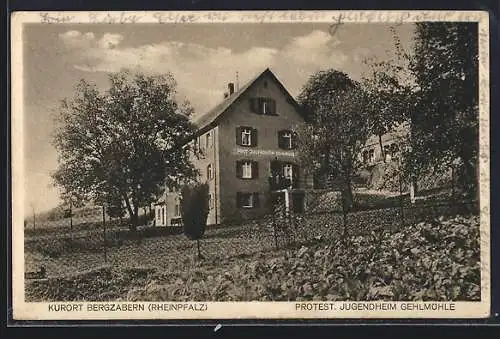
x=194, y=211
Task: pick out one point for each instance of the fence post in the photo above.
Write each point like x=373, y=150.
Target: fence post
x=71, y=219
x=287, y=202
x=452, y=182
x=104, y=231
x=401, y=198
x=412, y=191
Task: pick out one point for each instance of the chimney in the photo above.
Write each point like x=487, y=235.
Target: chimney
x=231, y=88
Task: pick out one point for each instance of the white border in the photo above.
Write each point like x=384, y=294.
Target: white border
x=234, y=310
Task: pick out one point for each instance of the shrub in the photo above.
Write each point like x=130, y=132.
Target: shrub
x=194, y=211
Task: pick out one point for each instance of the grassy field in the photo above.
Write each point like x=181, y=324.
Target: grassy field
x=430, y=260
x=168, y=258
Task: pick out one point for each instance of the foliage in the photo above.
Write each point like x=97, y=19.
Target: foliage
x=194, y=211
x=102, y=284
x=438, y=261
x=115, y=206
x=123, y=143
x=445, y=115
x=435, y=260
x=389, y=92
x=337, y=128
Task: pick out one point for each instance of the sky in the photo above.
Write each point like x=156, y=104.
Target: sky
x=203, y=58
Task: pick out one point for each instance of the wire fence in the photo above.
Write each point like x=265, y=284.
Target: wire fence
x=99, y=240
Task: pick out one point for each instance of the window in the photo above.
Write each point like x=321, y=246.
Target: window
x=210, y=201
x=208, y=140
x=177, y=209
x=247, y=200
x=246, y=136
x=163, y=215
x=365, y=157
x=201, y=147
x=210, y=174
x=394, y=149
x=288, y=171
x=159, y=215
x=371, y=156
x=368, y=156
x=247, y=169
x=286, y=139
x=265, y=106
x=387, y=153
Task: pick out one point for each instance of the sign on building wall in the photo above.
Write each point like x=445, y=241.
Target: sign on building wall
x=254, y=152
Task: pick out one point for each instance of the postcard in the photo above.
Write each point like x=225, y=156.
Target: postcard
x=250, y=165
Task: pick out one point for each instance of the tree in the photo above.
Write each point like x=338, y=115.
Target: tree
x=445, y=124
x=194, y=211
x=337, y=128
x=125, y=142
x=389, y=99
x=115, y=207
x=388, y=85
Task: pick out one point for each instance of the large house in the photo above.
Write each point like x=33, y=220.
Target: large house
x=245, y=151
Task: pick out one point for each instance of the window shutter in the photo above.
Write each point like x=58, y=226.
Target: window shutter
x=238, y=199
x=238, y=136
x=280, y=139
x=256, y=202
x=239, y=169
x=272, y=106
x=259, y=106
x=295, y=174
x=276, y=167
x=254, y=137
x=294, y=140
x=253, y=103
x=255, y=169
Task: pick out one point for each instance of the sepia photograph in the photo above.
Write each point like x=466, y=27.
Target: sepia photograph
x=172, y=163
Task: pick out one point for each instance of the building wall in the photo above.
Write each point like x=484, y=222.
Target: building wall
x=166, y=210
x=208, y=154
x=267, y=149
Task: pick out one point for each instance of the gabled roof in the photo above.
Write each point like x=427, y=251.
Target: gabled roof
x=212, y=117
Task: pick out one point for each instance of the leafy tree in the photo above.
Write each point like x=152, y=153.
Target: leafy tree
x=115, y=207
x=194, y=211
x=337, y=128
x=445, y=115
x=123, y=142
x=389, y=98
